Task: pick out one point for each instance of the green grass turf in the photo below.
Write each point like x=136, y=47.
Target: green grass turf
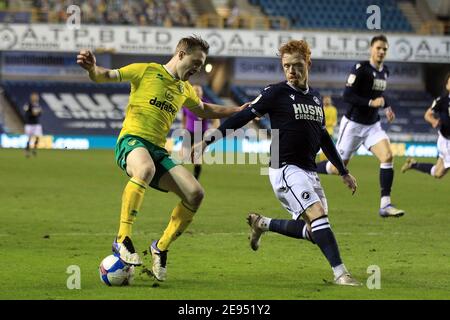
x=62, y=208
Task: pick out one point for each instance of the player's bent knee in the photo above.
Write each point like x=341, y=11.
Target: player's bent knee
x=315, y=212
x=195, y=197
x=145, y=173
x=387, y=157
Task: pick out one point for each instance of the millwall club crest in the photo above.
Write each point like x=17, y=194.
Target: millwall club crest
x=316, y=100
x=180, y=87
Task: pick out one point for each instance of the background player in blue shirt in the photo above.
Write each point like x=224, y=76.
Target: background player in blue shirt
x=438, y=115
x=296, y=114
x=33, y=127
x=361, y=124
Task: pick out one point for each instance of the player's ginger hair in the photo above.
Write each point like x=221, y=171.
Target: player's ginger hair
x=296, y=46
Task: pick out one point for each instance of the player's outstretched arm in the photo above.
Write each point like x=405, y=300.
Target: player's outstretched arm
x=237, y=121
x=215, y=111
x=86, y=60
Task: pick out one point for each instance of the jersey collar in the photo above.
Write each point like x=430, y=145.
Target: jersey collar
x=171, y=74
x=297, y=89
x=375, y=67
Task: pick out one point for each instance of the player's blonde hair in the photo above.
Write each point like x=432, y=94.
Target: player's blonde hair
x=188, y=44
x=296, y=46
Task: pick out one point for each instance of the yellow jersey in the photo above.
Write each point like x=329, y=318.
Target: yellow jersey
x=330, y=118
x=155, y=98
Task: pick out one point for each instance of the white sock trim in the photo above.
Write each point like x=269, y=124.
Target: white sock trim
x=385, y=201
x=264, y=223
x=304, y=233
x=339, y=270
x=328, y=167
x=433, y=171
x=325, y=226
x=320, y=224
x=386, y=165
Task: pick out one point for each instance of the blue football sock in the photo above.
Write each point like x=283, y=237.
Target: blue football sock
x=323, y=236
x=423, y=167
x=386, y=180
x=291, y=228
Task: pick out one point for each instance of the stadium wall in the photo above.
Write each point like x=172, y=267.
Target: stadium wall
x=225, y=43
x=174, y=145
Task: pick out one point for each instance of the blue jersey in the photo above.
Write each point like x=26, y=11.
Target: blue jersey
x=30, y=116
x=365, y=83
x=299, y=117
x=441, y=107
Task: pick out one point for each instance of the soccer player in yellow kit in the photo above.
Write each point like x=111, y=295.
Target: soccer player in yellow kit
x=157, y=93
x=330, y=120
x=330, y=115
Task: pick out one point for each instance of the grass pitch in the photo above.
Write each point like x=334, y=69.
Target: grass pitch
x=62, y=208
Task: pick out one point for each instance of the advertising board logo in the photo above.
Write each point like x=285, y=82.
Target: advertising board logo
x=8, y=38
x=403, y=49
x=216, y=43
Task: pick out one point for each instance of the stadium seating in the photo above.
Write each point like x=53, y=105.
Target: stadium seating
x=409, y=107
x=327, y=14
x=118, y=12
x=15, y=16
x=302, y=14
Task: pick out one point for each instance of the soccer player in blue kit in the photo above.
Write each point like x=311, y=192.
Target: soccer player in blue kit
x=296, y=111
x=438, y=116
x=361, y=124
